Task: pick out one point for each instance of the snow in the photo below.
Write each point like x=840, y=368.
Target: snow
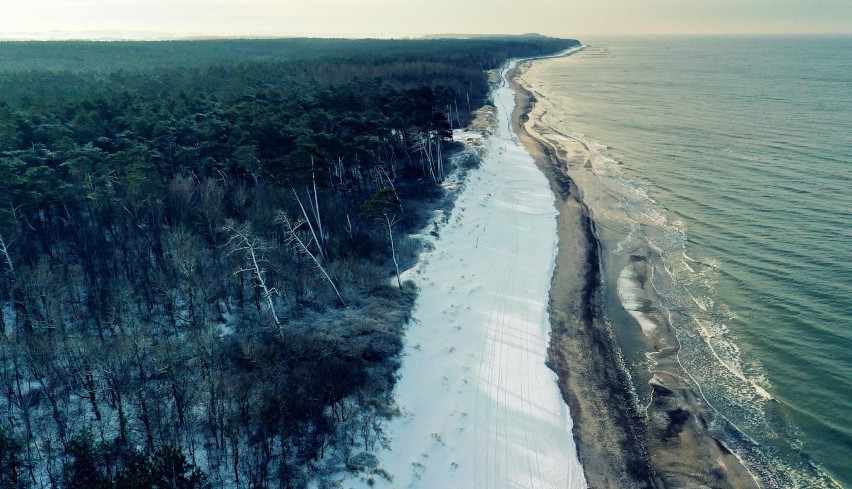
x=479, y=407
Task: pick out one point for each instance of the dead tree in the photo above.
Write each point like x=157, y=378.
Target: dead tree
x=385, y=205
x=4, y=248
x=310, y=226
x=243, y=240
x=429, y=146
x=303, y=247
x=315, y=207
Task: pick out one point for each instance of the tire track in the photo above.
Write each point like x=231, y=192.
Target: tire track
x=486, y=375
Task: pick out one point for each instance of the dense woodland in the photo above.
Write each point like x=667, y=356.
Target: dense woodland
x=200, y=245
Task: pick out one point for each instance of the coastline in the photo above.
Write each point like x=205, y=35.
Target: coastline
x=620, y=443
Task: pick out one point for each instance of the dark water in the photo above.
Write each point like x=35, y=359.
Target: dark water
x=734, y=156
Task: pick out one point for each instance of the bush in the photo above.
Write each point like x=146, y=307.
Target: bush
x=362, y=462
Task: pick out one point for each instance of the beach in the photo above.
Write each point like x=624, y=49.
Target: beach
x=621, y=443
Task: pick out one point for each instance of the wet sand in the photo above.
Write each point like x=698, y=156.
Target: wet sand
x=621, y=444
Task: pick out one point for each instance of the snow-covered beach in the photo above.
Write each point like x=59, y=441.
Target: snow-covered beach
x=479, y=407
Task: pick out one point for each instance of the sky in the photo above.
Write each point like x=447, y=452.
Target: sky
x=410, y=18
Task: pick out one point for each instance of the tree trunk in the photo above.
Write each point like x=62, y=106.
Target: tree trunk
x=390, y=224
x=294, y=238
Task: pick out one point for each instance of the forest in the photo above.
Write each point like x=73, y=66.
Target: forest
x=200, y=248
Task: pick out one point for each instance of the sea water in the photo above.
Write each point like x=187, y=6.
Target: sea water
x=732, y=158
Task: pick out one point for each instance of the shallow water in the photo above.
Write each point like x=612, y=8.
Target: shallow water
x=731, y=159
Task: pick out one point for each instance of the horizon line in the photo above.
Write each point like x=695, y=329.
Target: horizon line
x=154, y=36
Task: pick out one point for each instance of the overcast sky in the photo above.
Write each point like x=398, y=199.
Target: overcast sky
x=401, y=18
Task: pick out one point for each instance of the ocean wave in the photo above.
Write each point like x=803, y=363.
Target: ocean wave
x=685, y=284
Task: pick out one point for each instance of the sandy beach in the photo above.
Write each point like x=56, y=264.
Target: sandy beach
x=621, y=443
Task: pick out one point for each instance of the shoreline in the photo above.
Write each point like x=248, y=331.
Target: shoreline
x=620, y=443
x=581, y=352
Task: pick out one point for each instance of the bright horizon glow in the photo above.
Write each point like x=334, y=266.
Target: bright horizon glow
x=165, y=19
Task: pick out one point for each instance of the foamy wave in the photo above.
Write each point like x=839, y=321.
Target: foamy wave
x=632, y=298
x=727, y=354
x=685, y=286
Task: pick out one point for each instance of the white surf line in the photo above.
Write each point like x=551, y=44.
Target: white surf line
x=480, y=407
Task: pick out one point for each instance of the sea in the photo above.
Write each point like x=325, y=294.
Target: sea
x=732, y=159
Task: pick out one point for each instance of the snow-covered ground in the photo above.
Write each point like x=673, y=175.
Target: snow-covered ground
x=479, y=407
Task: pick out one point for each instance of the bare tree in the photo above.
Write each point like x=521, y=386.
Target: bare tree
x=303, y=247
x=385, y=204
x=310, y=226
x=243, y=240
x=4, y=248
x=10, y=271
x=315, y=206
x=429, y=146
